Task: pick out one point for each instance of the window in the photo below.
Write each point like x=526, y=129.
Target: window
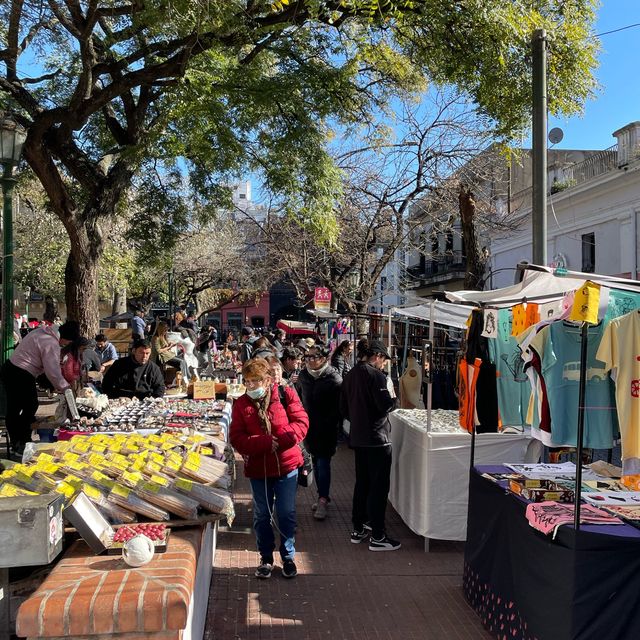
x=589, y=252
x=383, y=283
x=234, y=319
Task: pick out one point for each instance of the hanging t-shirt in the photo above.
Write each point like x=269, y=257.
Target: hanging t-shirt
x=559, y=346
x=514, y=389
x=621, y=303
x=620, y=352
x=532, y=314
x=519, y=321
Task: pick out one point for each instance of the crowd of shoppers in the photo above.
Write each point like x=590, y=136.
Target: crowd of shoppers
x=288, y=404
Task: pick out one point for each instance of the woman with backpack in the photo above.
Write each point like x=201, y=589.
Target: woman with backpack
x=319, y=386
x=267, y=433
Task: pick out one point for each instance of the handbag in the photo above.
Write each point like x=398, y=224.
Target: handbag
x=305, y=472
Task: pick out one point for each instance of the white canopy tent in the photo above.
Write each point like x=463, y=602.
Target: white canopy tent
x=540, y=284
x=451, y=315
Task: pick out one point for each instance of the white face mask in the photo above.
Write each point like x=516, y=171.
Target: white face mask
x=256, y=394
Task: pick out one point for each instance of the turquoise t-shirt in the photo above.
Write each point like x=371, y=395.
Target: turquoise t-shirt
x=514, y=389
x=620, y=303
x=559, y=348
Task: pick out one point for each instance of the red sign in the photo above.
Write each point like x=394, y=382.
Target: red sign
x=322, y=299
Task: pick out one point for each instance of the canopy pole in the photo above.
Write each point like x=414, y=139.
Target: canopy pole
x=430, y=382
x=584, y=334
x=406, y=347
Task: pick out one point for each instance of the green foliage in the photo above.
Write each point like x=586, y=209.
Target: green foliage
x=205, y=92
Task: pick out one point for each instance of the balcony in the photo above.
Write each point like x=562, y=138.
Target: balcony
x=437, y=270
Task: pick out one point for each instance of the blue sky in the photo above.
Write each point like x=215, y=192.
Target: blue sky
x=618, y=101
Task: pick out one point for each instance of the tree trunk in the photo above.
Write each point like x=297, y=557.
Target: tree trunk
x=119, y=300
x=50, y=310
x=475, y=267
x=81, y=280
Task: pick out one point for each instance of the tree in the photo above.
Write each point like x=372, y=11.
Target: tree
x=249, y=85
x=393, y=188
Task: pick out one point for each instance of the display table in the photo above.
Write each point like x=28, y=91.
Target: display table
x=430, y=471
x=524, y=585
x=88, y=595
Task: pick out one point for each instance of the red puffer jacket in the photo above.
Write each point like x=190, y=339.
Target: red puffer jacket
x=249, y=438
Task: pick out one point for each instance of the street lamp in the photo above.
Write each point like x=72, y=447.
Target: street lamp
x=27, y=298
x=12, y=138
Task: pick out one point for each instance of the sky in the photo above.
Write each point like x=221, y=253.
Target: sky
x=618, y=100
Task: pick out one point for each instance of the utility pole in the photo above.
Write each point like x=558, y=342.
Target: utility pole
x=539, y=135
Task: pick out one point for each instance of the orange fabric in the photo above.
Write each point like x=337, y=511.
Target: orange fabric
x=467, y=392
x=532, y=314
x=519, y=323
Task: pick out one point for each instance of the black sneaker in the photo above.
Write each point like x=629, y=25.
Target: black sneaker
x=289, y=569
x=385, y=544
x=358, y=536
x=264, y=570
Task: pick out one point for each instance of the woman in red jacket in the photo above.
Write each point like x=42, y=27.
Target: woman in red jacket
x=266, y=432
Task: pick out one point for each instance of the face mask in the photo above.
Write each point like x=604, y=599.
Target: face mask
x=256, y=394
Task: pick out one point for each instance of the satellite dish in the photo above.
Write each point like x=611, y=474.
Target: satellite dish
x=556, y=135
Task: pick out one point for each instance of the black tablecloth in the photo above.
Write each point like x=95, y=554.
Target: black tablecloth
x=524, y=585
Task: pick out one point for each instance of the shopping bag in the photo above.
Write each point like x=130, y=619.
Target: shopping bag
x=305, y=472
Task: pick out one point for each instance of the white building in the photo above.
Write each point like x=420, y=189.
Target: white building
x=593, y=216
x=390, y=287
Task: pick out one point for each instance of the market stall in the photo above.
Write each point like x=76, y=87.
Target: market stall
x=430, y=470
x=540, y=563
x=156, y=472
x=525, y=585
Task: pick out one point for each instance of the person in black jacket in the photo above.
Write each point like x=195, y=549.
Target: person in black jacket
x=135, y=376
x=366, y=400
x=319, y=388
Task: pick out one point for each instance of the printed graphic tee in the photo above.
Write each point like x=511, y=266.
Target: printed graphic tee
x=620, y=352
x=558, y=346
x=514, y=389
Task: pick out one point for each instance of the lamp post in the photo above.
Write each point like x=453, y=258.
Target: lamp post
x=27, y=298
x=12, y=138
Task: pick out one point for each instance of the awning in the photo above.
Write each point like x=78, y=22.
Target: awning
x=450, y=315
x=540, y=284
x=292, y=327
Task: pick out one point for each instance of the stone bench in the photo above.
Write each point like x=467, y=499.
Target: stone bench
x=88, y=596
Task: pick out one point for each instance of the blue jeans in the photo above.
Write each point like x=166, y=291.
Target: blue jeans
x=282, y=492
x=322, y=475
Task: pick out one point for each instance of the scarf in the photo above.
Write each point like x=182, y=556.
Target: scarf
x=317, y=373
x=262, y=406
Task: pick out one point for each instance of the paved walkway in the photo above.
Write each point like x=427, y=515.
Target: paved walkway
x=342, y=590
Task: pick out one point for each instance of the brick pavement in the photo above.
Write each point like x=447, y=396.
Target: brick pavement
x=343, y=590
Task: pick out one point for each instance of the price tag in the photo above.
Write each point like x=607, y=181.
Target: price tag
x=159, y=480
x=204, y=390
x=121, y=490
x=184, y=484
x=91, y=492
x=151, y=487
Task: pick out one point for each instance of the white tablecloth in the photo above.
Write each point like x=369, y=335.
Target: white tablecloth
x=430, y=474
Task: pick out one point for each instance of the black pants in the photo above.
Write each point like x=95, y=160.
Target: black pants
x=22, y=402
x=371, y=491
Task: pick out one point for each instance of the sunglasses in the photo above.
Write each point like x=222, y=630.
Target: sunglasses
x=313, y=357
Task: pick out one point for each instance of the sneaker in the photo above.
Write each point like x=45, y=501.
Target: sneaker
x=314, y=506
x=264, y=570
x=321, y=510
x=358, y=536
x=289, y=569
x=385, y=544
